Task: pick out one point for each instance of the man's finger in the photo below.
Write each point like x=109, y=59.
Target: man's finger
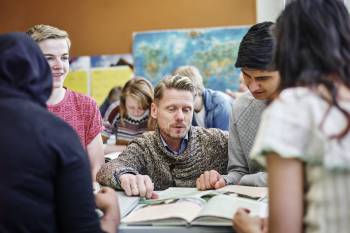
x=134, y=186
x=149, y=186
x=221, y=183
x=214, y=177
x=202, y=182
x=140, y=181
x=207, y=180
x=125, y=184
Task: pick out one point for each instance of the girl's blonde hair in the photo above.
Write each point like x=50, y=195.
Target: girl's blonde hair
x=142, y=91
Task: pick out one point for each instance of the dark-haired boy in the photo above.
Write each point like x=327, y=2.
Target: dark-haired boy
x=255, y=58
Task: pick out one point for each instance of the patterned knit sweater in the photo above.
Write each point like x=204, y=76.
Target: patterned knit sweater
x=127, y=130
x=206, y=150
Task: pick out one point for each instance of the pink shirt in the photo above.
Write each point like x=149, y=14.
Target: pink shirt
x=80, y=112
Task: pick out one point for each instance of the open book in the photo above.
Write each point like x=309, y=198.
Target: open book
x=193, y=207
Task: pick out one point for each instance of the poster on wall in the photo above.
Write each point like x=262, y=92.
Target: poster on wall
x=212, y=50
x=97, y=75
x=104, y=79
x=78, y=81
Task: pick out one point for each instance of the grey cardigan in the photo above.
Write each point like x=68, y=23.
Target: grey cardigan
x=244, y=124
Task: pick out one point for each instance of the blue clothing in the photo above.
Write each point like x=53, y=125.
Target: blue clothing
x=183, y=145
x=218, y=108
x=45, y=182
x=104, y=106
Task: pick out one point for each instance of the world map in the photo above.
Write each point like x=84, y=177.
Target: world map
x=212, y=50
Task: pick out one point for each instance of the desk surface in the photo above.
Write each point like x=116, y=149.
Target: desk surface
x=173, y=229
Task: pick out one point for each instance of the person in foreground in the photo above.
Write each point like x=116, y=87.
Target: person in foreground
x=45, y=182
x=174, y=154
x=255, y=58
x=79, y=111
x=304, y=134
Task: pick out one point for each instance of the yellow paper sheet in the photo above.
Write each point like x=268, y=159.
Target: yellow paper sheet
x=104, y=79
x=77, y=81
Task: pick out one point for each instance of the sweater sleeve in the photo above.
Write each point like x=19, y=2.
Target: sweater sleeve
x=237, y=162
x=237, y=167
x=131, y=160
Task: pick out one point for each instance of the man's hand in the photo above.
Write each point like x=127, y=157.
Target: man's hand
x=244, y=223
x=210, y=180
x=137, y=185
x=107, y=201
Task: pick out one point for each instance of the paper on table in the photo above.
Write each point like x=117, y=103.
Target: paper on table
x=254, y=192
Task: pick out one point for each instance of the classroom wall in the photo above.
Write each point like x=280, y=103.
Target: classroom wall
x=106, y=26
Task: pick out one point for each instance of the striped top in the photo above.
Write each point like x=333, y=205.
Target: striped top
x=290, y=126
x=125, y=131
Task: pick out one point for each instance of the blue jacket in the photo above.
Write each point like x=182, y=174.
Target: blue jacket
x=218, y=108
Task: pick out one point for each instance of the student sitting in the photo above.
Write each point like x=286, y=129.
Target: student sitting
x=255, y=58
x=113, y=96
x=130, y=116
x=175, y=154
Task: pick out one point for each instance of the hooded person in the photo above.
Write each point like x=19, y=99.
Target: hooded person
x=45, y=183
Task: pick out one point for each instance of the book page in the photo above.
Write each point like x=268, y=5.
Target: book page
x=176, y=193
x=126, y=203
x=178, y=213
x=220, y=209
x=254, y=192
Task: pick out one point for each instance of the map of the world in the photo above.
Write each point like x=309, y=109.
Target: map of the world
x=212, y=50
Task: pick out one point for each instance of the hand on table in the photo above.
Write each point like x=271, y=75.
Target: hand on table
x=210, y=180
x=107, y=201
x=244, y=223
x=137, y=185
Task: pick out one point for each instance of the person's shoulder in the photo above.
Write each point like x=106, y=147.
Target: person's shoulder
x=81, y=98
x=198, y=131
x=219, y=96
x=295, y=103
x=296, y=96
x=244, y=100
x=113, y=106
x=55, y=130
x=147, y=138
x=296, y=93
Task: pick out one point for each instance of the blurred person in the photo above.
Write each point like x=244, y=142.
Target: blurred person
x=113, y=96
x=304, y=135
x=45, y=182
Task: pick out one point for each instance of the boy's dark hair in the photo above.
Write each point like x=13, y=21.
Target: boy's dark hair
x=256, y=48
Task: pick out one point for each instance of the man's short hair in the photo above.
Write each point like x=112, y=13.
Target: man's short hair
x=43, y=32
x=193, y=73
x=176, y=82
x=256, y=48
